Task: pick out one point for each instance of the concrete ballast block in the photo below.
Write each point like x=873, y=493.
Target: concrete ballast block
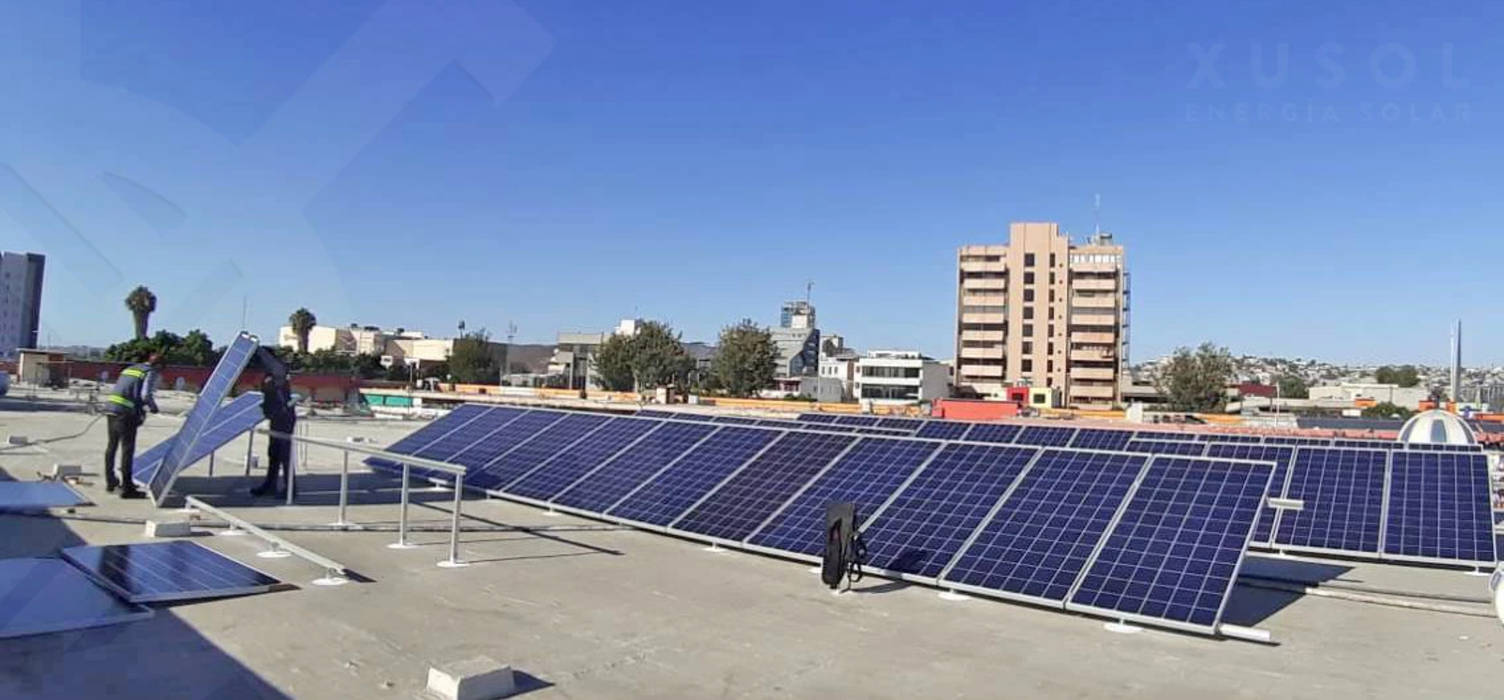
x=17, y=440
x=480, y=678
x=168, y=528
x=63, y=471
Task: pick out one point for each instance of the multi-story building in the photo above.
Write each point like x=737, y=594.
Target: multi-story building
x=1043, y=312
x=20, y=301
x=797, y=314
x=400, y=346
x=900, y=377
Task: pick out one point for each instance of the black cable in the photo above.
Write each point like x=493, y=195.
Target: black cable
x=856, y=555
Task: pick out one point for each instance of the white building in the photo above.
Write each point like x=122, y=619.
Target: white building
x=574, y=352
x=400, y=346
x=20, y=301
x=841, y=367
x=900, y=377
x=1351, y=393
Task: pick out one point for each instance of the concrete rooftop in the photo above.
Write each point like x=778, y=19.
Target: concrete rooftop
x=592, y=610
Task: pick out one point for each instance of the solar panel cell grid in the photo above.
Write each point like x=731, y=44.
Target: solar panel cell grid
x=1164, y=435
x=932, y=517
x=213, y=393
x=477, y=456
x=866, y=476
x=735, y=420
x=1165, y=447
x=1280, y=456
x=559, y=472
x=1229, y=437
x=1174, y=552
x=624, y=472
x=1439, y=507
x=1045, y=435
x=1343, y=495
x=905, y=424
x=468, y=434
x=739, y=506
x=992, y=432
x=943, y=430
x=514, y=464
x=173, y=570
x=1042, y=536
x=662, y=499
x=817, y=417
x=1099, y=439
x=866, y=421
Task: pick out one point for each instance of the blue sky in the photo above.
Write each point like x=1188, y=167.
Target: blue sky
x=563, y=164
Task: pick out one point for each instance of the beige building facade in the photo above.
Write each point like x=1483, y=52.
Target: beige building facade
x=1043, y=312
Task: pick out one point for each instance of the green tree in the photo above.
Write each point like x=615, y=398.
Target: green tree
x=142, y=303
x=1386, y=410
x=613, y=363
x=659, y=358
x=196, y=349
x=1196, y=380
x=471, y=361
x=302, y=322
x=1291, y=386
x=745, y=359
x=1404, y=376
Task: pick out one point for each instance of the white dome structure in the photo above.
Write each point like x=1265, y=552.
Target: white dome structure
x=1436, y=427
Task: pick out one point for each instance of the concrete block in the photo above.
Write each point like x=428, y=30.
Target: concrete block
x=17, y=440
x=168, y=528
x=480, y=678
x=63, y=471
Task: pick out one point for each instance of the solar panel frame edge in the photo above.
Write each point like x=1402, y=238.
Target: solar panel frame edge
x=129, y=597
x=1307, y=549
x=1232, y=581
x=1384, y=538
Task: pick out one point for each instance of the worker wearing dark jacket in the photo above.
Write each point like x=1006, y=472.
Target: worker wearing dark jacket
x=277, y=406
x=126, y=407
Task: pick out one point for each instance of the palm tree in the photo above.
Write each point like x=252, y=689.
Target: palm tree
x=302, y=322
x=142, y=303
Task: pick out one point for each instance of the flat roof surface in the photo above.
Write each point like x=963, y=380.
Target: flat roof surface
x=589, y=609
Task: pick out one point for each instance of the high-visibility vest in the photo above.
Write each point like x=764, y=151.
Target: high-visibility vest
x=130, y=386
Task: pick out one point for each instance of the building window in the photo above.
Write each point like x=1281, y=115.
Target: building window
x=1028, y=330
x=1028, y=278
x=1028, y=366
x=1028, y=313
x=1028, y=260
x=1050, y=366
x=1052, y=264
x=1028, y=295
x=1052, y=279
x=1028, y=347
x=1052, y=330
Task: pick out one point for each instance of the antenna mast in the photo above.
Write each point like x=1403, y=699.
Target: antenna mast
x=1096, y=214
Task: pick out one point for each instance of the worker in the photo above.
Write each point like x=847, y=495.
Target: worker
x=277, y=406
x=133, y=395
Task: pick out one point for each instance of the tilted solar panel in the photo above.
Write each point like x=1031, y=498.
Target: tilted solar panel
x=650, y=413
x=1365, y=444
x=735, y=420
x=736, y=508
x=213, y=393
x=863, y=421
x=1165, y=447
x=1039, y=541
x=785, y=424
x=1100, y=439
x=512, y=465
x=663, y=498
x=1439, y=447
x=943, y=430
x=172, y=570
x=1164, y=435
x=992, y=432
x=1438, y=508
x=1045, y=436
x=1281, y=456
x=867, y=475
x=1173, y=554
x=241, y=414
x=873, y=430
x=637, y=464
x=923, y=527
x=908, y=425
x=1229, y=437
x=436, y=429
x=590, y=452
x=500, y=442
x=1297, y=440
x=818, y=417
x=1343, y=495
x=456, y=441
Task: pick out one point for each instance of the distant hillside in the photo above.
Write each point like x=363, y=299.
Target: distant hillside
x=534, y=357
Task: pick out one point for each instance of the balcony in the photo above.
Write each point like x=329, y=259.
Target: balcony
x=1093, y=338
x=1094, y=267
x=1082, y=318
x=984, y=318
x=994, y=336
x=989, y=283
x=1095, y=284
x=1108, y=301
x=984, y=300
x=1104, y=373
x=1093, y=356
x=1092, y=391
x=974, y=370
x=984, y=266
x=992, y=353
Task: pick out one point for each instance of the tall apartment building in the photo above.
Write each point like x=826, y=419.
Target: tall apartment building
x=1043, y=312
x=20, y=301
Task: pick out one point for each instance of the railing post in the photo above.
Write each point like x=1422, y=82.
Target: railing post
x=454, y=526
x=250, y=448
x=344, y=487
x=292, y=464
x=402, y=515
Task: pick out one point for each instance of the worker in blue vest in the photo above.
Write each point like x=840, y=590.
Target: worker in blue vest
x=132, y=397
x=277, y=406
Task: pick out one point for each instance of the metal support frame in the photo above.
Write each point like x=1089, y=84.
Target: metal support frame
x=333, y=570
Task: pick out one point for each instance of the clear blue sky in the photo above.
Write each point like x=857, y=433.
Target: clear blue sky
x=563, y=164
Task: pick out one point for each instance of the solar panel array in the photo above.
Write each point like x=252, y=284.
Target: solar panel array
x=238, y=416
x=198, y=420
x=1150, y=530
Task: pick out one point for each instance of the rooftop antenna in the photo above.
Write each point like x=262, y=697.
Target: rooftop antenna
x=511, y=331
x=809, y=288
x=1457, y=361
x=1096, y=214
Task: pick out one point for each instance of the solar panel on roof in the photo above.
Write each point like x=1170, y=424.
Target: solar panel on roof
x=634, y=466
x=515, y=463
x=650, y=413
x=1045, y=436
x=1100, y=439
x=736, y=508
x=37, y=495
x=905, y=424
x=559, y=472
x=240, y=415
x=428, y=434
x=867, y=476
x=213, y=393
x=864, y=430
x=992, y=432
x=1165, y=447
x=1228, y=437
x=1365, y=444
x=921, y=529
x=1296, y=440
x=1173, y=554
x=864, y=421
x=477, y=431
x=1281, y=456
x=670, y=492
x=1343, y=495
x=1438, y=508
x=172, y=570
x=501, y=441
x=1164, y=435
x=785, y=424
x=817, y=417
x=1039, y=541
x=1439, y=447
x=943, y=430
x=735, y=420
x=48, y=595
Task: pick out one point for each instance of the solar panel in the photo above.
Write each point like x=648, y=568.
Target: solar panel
x=1296, y=440
x=1100, y=439
x=1280, y=455
x=1173, y=554
x=616, y=478
x=172, y=570
x=1045, y=436
x=905, y=424
x=238, y=416
x=867, y=475
x=1229, y=437
x=37, y=495
x=864, y=421
x=650, y=413
x=515, y=463
x=499, y=442
x=1438, y=447
x=39, y=596
x=1438, y=508
x=219, y=384
x=775, y=423
x=1164, y=435
x=863, y=430
x=669, y=493
x=1039, y=541
x=735, y=509
x=932, y=517
x=1365, y=444
x=1343, y=494
x=817, y=417
x=587, y=454
x=943, y=430
x=1165, y=447
x=735, y=420
x=437, y=428
x=832, y=427
x=444, y=448
x=992, y=432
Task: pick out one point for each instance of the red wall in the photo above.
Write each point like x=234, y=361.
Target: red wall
x=321, y=387
x=965, y=409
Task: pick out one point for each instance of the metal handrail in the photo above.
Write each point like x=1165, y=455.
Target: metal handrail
x=331, y=567
x=407, y=462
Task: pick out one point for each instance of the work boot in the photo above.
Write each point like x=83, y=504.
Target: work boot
x=131, y=493
x=110, y=483
x=265, y=488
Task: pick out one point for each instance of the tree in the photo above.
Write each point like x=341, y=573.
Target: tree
x=196, y=350
x=142, y=303
x=613, y=363
x=1291, y=386
x=1196, y=380
x=745, y=360
x=659, y=358
x=302, y=322
x=471, y=361
x=1404, y=376
x=1386, y=410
